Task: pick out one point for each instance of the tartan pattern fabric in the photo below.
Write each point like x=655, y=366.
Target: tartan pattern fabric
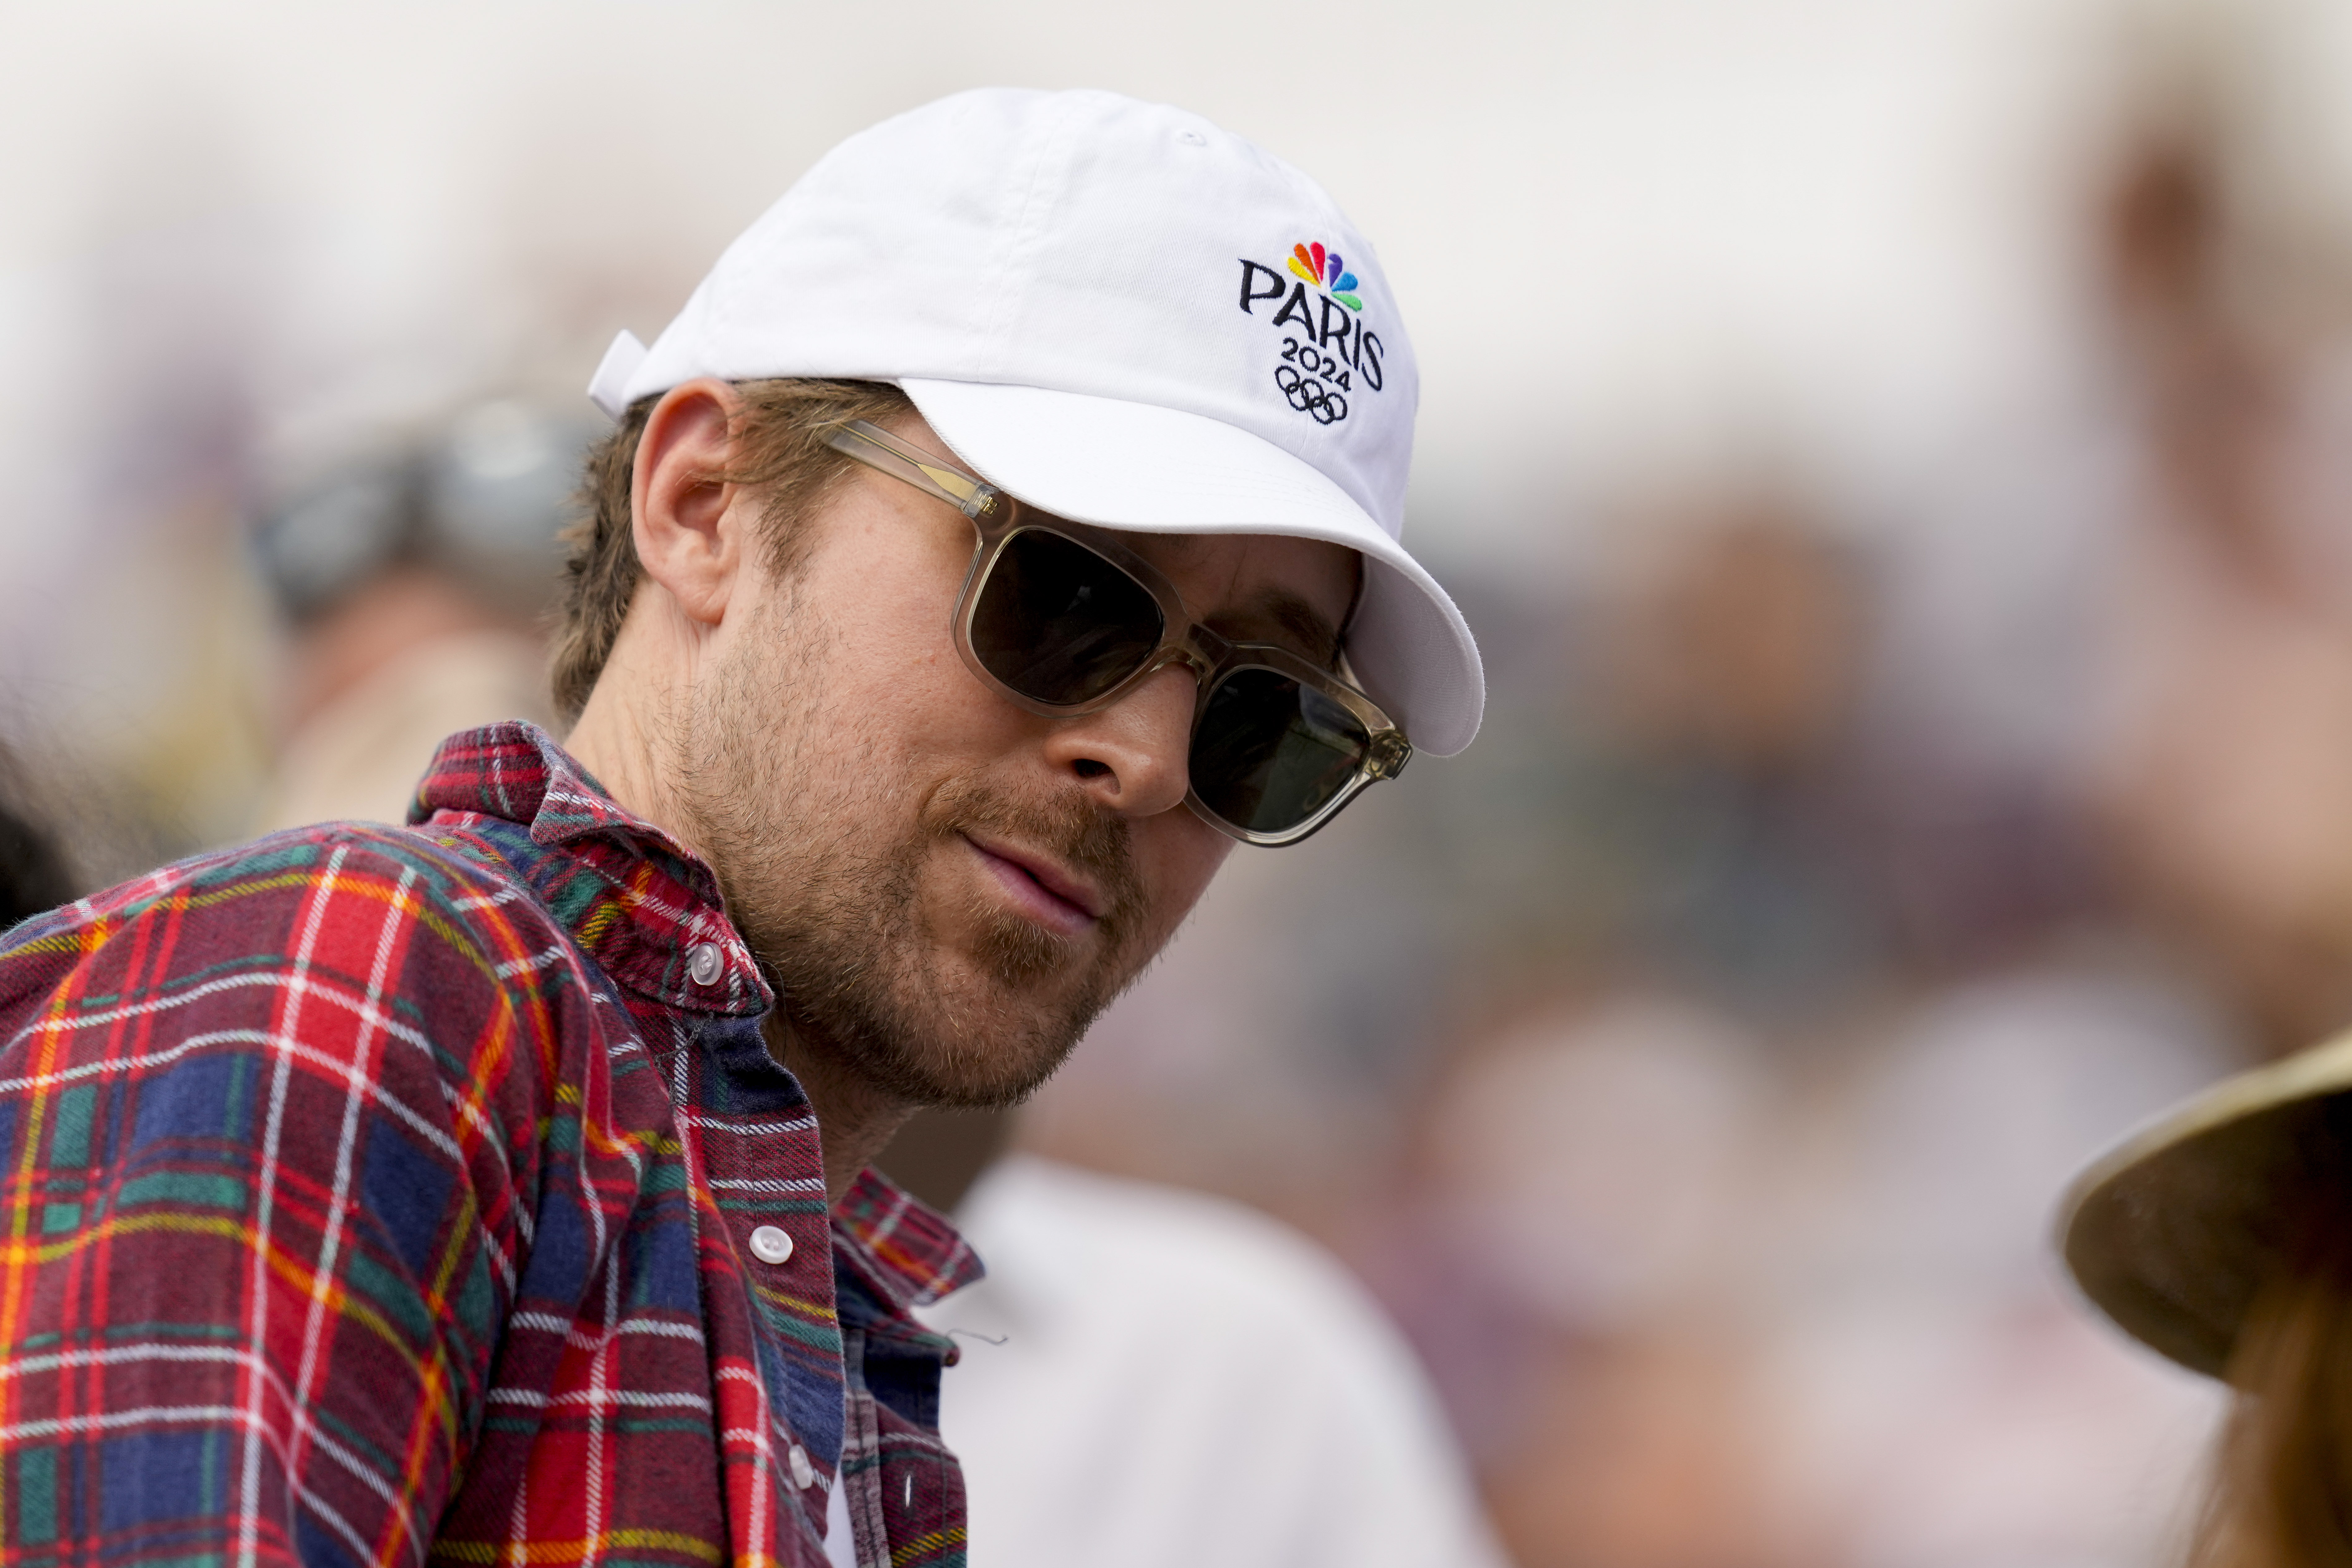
x=384, y=1195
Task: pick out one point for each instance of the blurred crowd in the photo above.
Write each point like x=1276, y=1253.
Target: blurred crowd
x=1691, y=1068
x=1688, y=1069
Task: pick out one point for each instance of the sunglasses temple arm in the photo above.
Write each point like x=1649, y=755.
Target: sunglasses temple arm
x=877, y=448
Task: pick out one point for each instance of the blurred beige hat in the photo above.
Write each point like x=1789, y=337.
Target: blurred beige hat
x=2173, y=1231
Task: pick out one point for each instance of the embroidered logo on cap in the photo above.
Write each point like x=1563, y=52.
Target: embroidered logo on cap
x=1322, y=269
x=1325, y=346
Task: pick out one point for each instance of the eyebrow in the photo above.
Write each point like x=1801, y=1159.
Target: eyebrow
x=1312, y=633
x=1319, y=640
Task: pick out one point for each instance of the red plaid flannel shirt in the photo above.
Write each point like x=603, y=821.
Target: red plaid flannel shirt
x=386, y=1194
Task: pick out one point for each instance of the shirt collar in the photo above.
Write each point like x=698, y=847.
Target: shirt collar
x=642, y=904
x=907, y=1252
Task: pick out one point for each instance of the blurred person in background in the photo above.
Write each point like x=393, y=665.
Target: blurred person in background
x=1589, y=1170
x=2224, y=756
x=1266, y=1412
x=2106, y=887
x=501, y=1185
x=1723, y=1250
x=34, y=875
x=1934, y=1395
x=2218, y=1236
x=2215, y=1236
x=414, y=582
x=1722, y=661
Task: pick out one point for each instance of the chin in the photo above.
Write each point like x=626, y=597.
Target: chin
x=923, y=976
x=999, y=1039
x=973, y=1073
x=957, y=1032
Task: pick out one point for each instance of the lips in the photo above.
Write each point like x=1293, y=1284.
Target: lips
x=1061, y=899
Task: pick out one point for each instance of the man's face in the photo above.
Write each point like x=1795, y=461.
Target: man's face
x=950, y=888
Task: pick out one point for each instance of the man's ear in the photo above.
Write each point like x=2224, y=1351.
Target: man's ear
x=682, y=510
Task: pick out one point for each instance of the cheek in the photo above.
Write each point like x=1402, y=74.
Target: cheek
x=1179, y=856
x=891, y=668
x=908, y=690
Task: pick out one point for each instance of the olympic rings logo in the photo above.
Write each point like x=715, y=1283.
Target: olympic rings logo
x=1309, y=396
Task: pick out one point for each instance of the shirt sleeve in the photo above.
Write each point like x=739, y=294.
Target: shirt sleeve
x=266, y=1121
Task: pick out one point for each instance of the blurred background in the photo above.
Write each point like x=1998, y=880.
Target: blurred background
x=1898, y=460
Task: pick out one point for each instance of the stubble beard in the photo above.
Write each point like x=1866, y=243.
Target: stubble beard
x=793, y=805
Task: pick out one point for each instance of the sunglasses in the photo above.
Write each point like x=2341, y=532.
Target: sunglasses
x=1062, y=620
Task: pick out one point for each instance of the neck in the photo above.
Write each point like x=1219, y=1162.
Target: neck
x=856, y=1121
x=616, y=741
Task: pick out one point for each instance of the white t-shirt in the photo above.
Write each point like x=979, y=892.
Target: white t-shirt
x=1153, y=1377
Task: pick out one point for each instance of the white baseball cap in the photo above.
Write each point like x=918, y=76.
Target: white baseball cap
x=1118, y=313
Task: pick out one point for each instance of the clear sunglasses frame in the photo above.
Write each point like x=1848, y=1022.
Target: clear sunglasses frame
x=997, y=519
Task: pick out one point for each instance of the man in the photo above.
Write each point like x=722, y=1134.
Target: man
x=1004, y=529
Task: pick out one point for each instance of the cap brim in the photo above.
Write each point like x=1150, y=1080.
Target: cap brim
x=2174, y=1231
x=1139, y=465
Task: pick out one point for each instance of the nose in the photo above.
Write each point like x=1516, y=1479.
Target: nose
x=1131, y=756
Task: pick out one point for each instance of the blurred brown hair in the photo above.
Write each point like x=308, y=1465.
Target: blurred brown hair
x=2282, y=1493
x=777, y=449
x=33, y=873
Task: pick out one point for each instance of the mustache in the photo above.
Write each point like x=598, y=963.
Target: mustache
x=1098, y=843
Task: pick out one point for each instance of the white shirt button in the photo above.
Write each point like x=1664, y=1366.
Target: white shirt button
x=704, y=962
x=802, y=1471
x=772, y=1243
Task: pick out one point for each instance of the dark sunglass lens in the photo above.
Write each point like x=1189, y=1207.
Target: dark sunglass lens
x=1269, y=754
x=1058, y=624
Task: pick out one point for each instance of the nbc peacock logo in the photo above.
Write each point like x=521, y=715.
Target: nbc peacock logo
x=1324, y=270
x=1319, y=322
